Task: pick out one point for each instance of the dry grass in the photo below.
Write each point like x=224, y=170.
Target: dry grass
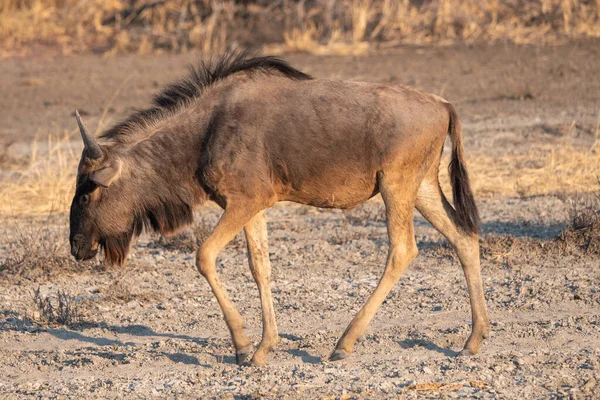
x=584, y=230
x=45, y=184
x=60, y=311
x=35, y=249
x=116, y=25
x=544, y=170
x=322, y=26
x=118, y=291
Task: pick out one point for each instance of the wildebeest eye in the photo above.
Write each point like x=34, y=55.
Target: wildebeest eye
x=85, y=199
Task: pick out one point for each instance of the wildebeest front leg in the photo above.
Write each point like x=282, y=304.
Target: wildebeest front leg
x=232, y=221
x=403, y=250
x=258, y=258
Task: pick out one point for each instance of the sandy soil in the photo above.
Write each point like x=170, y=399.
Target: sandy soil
x=154, y=329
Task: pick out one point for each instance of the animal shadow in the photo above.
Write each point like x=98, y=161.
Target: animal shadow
x=304, y=356
x=427, y=344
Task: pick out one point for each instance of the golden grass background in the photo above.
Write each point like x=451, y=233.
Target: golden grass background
x=321, y=26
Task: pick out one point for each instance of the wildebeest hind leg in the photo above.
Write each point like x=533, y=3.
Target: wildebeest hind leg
x=403, y=249
x=432, y=203
x=232, y=221
x=258, y=258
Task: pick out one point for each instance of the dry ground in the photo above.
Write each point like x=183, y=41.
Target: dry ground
x=154, y=329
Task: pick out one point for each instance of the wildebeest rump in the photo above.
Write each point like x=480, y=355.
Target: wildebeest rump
x=248, y=132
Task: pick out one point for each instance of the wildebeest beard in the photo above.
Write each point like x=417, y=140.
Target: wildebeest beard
x=116, y=248
x=165, y=219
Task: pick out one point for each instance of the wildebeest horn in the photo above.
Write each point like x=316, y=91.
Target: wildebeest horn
x=91, y=146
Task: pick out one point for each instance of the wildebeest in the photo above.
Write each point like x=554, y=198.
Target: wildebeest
x=249, y=131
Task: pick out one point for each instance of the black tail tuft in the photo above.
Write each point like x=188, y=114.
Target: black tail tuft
x=464, y=203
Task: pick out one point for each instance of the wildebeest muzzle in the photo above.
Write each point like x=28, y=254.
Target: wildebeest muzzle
x=81, y=249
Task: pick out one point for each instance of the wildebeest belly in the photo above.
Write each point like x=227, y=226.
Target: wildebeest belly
x=324, y=173
x=329, y=187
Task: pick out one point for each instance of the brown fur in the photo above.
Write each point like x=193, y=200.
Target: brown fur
x=250, y=132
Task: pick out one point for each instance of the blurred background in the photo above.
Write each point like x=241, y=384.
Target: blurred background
x=320, y=26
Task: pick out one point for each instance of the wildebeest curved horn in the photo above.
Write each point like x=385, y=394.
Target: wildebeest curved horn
x=92, y=147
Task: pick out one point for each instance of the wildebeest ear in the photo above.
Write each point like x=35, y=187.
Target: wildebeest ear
x=106, y=174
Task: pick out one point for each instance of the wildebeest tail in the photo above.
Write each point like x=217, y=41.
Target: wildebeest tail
x=464, y=202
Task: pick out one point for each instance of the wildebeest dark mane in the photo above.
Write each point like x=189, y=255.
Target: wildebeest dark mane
x=201, y=77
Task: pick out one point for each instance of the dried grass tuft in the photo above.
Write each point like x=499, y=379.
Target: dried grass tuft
x=60, y=311
x=36, y=249
x=497, y=248
x=118, y=290
x=583, y=232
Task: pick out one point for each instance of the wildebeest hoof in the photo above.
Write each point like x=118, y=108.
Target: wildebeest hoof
x=466, y=353
x=242, y=354
x=339, y=354
x=257, y=363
